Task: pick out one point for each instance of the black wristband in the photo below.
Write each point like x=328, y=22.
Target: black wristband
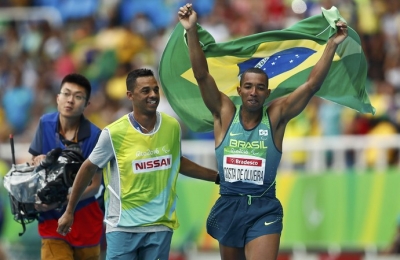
x=218, y=179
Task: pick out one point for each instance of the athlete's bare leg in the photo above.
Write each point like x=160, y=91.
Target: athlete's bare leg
x=231, y=253
x=263, y=248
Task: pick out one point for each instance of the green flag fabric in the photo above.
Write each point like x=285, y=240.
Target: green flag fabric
x=287, y=56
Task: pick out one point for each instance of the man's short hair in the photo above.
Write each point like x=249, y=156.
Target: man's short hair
x=253, y=70
x=133, y=75
x=79, y=80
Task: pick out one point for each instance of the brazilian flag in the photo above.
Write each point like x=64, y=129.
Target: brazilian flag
x=287, y=56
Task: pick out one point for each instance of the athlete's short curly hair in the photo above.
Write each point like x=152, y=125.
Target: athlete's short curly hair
x=253, y=70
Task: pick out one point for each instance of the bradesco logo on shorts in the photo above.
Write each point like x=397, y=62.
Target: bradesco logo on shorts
x=246, y=165
x=152, y=164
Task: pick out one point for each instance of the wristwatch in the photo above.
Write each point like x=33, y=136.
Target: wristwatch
x=218, y=179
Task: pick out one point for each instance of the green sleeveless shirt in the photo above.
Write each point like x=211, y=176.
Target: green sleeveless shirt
x=144, y=193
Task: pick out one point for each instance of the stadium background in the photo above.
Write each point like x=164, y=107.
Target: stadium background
x=338, y=181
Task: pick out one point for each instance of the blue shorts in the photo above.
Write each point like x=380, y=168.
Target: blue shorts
x=132, y=246
x=235, y=220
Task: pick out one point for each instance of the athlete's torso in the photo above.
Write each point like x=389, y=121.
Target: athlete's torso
x=248, y=159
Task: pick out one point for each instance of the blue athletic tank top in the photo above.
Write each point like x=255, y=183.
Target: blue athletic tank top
x=248, y=159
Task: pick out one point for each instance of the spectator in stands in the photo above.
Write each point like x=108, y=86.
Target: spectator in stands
x=18, y=113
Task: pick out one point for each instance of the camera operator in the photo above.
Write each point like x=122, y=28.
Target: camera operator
x=62, y=129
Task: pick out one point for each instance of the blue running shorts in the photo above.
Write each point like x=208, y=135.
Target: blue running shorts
x=136, y=246
x=236, y=220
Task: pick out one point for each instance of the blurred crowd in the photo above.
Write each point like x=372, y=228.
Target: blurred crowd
x=105, y=39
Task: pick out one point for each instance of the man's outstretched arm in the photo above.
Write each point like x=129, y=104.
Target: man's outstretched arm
x=192, y=169
x=298, y=100
x=212, y=97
